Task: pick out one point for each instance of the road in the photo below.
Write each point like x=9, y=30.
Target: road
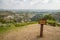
x=32, y=32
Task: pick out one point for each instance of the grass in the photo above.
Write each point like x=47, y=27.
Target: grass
x=23, y=24
x=20, y=24
x=5, y=28
x=2, y=29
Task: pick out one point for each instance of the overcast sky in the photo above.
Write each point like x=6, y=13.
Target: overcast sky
x=30, y=4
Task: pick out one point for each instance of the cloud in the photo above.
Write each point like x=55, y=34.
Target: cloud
x=30, y=4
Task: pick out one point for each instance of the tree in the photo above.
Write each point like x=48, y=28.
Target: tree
x=50, y=20
x=49, y=17
x=26, y=17
x=37, y=17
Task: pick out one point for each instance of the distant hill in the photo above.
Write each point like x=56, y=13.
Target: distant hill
x=7, y=13
x=32, y=14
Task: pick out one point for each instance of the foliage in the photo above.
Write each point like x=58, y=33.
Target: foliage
x=31, y=23
x=7, y=27
x=23, y=24
x=57, y=16
x=49, y=17
x=37, y=17
x=1, y=20
x=51, y=22
x=19, y=24
x=58, y=24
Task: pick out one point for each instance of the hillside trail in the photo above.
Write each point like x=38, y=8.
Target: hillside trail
x=31, y=32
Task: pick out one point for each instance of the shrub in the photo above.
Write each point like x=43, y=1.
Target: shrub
x=58, y=24
x=31, y=23
x=20, y=24
x=51, y=22
x=23, y=24
x=5, y=25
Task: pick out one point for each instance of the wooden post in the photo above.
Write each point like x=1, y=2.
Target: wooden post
x=41, y=30
x=42, y=22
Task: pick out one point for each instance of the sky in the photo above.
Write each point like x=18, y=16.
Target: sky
x=30, y=4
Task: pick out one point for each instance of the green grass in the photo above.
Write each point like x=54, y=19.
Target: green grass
x=20, y=24
x=23, y=24
x=5, y=28
x=2, y=29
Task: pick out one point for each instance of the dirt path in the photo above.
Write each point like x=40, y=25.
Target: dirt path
x=31, y=32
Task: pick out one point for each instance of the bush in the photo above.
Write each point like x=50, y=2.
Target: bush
x=23, y=24
x=20, y=24
x=58, y=24
x=31, y=23
x=51, y=22
x=5, y=25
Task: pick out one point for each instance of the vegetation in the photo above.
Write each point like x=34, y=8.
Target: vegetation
x=50, y=20
x=58, y=24
x=10, y=20
x=6, y=27
x=49, y=17
x=10, y=26
x=37, y=17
